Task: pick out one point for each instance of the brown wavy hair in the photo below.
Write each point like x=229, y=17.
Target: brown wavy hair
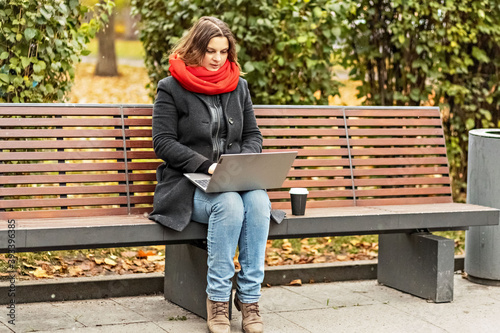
x=192, y=47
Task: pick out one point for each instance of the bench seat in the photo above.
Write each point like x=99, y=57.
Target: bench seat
x=135, y=230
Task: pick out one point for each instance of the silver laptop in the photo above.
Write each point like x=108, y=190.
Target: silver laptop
x=245, y=172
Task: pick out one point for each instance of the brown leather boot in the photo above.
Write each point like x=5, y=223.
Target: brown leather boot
x=252, y=321
x=218, y=317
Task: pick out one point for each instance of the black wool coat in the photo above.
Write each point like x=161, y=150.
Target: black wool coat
x=182, y=138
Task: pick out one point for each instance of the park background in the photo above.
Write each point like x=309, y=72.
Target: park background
x=325, y=52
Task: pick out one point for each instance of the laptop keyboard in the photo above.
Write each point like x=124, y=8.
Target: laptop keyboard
x=202, y=182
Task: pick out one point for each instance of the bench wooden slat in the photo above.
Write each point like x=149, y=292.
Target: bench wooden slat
x=47, y=110
x=140, y=166
x=58, y=190
x=304, y=142
x=316, y=183
x=142, y=122
x=75, y=122
x=400, y=171
x=63, y=202
x=402, y=181
x=315, y=162
x=433, y=113
x=141, y=199
x=404, y=201
x=63, y=155
x=395, y=131
x=141, y=188
x=399, y=142
x=317, y=204
x=144, y=211
x=440, y=160
x=143, y=143
x=309, y=112
x=60, y=133
x=142, y=155
x=273, y=195
x=300, y=122
x=402, y=191
x=69, y=122
x=150, y=176
x=313, y=152
x=67, y=167
x=138, y=111
x=50, y=179
x=138, y=133
x=398, y=151
x=59, y=144
x=138, y=122
x=319, y=173
x=267, y=132
x=394, y=122
x=43, y=214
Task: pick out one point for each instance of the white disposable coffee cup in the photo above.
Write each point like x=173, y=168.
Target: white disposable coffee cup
x=298, y=196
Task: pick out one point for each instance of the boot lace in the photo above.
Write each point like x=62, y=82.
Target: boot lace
x=220, y=308
x=253, y=308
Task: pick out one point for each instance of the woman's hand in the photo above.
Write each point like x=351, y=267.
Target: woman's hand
x=212, y=168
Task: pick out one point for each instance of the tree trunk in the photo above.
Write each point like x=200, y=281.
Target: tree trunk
x=106, y=61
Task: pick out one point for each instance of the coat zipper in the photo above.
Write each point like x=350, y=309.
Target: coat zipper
x=217, y=119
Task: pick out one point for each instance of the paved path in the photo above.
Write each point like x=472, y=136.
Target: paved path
x=355, y=306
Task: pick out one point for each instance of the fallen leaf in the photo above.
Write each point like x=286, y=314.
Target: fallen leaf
x=155, y=258
x=297, y=282
x=40, y=273
x=86, y=266
x=74, y=271
x=287, y=247
x=320, y=260
x=140, y=270
x=110, y=262
x=98, y=261
x=143, y=254
x=129, y=254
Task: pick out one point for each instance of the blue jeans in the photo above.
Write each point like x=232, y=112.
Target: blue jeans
x=234, y=219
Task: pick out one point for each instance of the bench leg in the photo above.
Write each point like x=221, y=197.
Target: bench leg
x=186, y=277
x=421, y=264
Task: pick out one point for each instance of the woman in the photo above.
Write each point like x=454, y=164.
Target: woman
x=202, y=111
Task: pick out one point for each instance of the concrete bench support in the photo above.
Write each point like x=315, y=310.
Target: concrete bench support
x=186, y=277
x=420, y=264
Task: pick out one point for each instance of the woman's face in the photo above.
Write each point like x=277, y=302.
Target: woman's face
x=216, y=53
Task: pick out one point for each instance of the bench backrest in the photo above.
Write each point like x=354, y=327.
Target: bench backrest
x=61, y=160
x=360, y=156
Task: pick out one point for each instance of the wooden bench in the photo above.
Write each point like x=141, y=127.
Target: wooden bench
x=82, y=176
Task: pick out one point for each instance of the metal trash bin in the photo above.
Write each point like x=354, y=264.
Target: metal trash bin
x=482, y=244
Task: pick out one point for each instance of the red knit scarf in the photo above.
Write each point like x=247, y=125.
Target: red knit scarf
x=201, y=80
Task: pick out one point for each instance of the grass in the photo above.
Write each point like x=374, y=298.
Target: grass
x=126, y=49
